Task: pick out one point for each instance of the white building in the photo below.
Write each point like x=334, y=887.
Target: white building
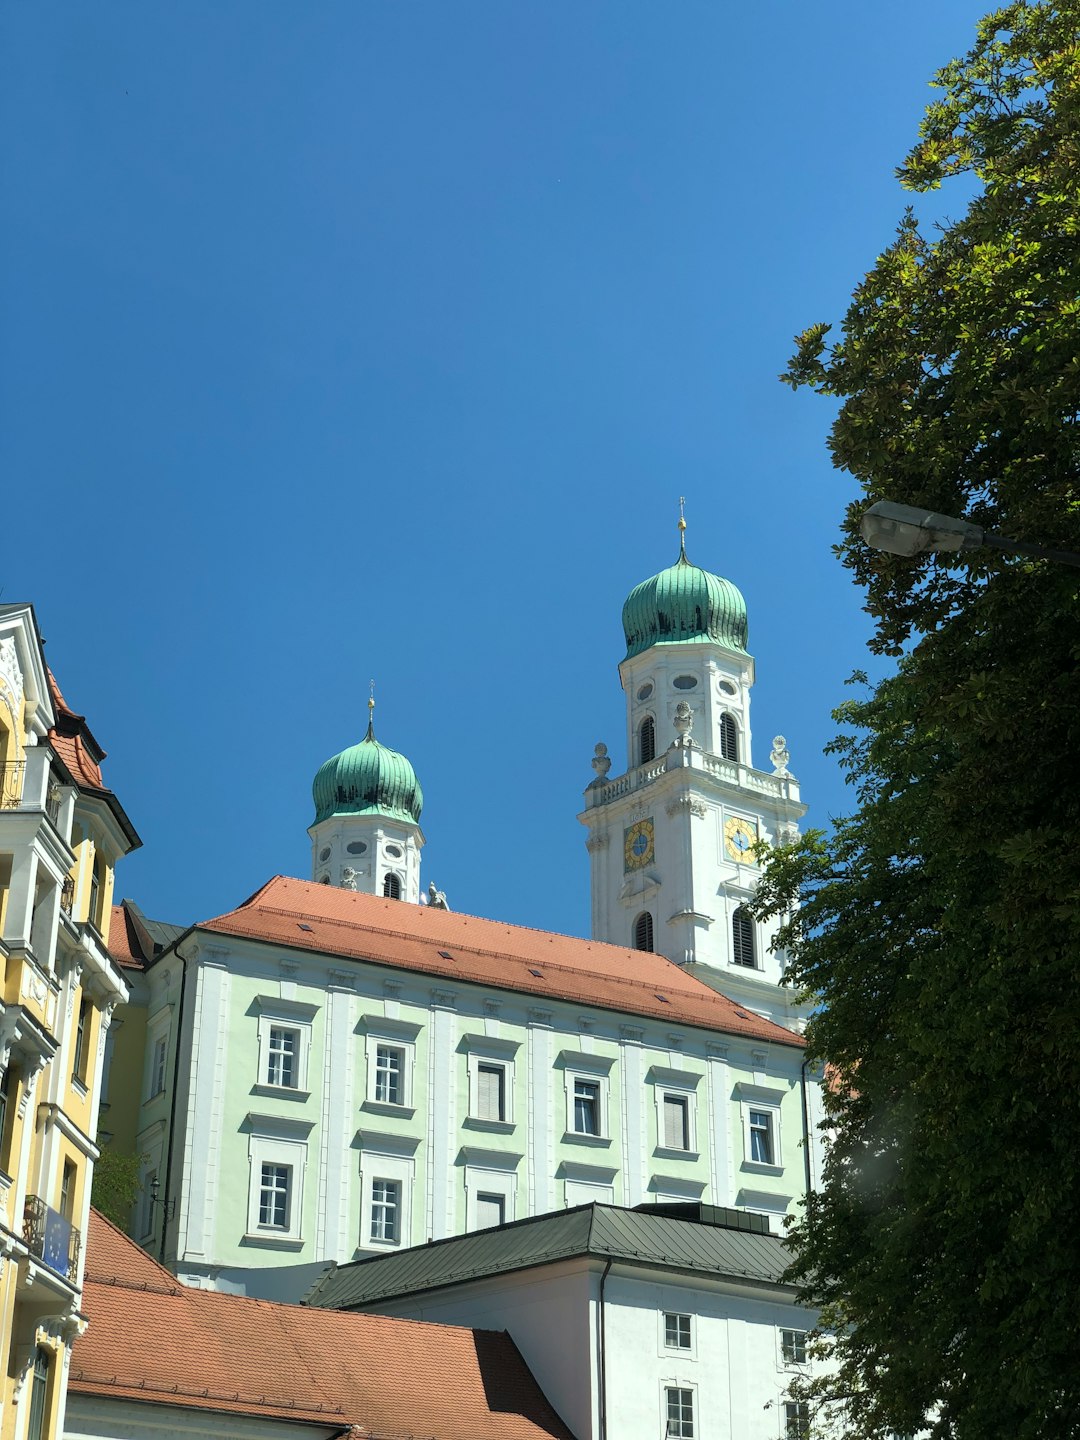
x=671, y=840
x=334, y=1068
x=669, y=1322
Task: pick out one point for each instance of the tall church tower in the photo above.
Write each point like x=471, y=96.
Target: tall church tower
x=366, y=835
x=670, y=841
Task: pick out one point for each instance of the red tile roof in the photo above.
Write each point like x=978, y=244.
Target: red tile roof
x=151, y=1339
x=307, y=916
x=122, y=941
x=72, y=740
x=80, y=754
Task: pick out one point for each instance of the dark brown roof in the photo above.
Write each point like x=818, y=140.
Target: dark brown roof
x=152, y=1339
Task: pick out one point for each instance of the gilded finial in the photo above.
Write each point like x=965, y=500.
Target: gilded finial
x=371, y=712
x=682, y=527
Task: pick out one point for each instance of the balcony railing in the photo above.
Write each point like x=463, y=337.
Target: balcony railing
x=11, y=783
x=51, y=1237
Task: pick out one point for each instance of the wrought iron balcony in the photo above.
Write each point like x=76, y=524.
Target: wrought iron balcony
x=51, y=1237
x=11, y=783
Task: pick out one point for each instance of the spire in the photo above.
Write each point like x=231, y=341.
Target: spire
x=371, y=714
x=682, y=528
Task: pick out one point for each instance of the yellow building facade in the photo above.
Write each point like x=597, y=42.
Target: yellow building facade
x=61, y=833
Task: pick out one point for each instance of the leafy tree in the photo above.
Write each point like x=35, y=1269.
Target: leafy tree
x=115, y=1186
x=940, y=922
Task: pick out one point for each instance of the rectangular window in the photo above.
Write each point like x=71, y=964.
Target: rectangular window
x=39, y=1395
x=385, y=1211
x=490, y=1210
x=676, y=1122
x=586, y=1107
x=490, y=1092
x=793, y=1345
x=274, y=1196
x=389, y=1065
x=81, y=1056
x=676, y=1331
x=67, y=1191
x=762, y=1149
x=796, y=1420
x=161, y=1055
x=680, y=1413
x=146, y=1208
x=282, y=1054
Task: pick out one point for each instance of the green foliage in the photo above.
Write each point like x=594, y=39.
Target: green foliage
x=940, y=922
x=116, y=1186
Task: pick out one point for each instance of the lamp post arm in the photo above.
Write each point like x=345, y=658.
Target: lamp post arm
x=1028, y=547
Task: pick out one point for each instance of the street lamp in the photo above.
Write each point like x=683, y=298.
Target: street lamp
x=909, y=530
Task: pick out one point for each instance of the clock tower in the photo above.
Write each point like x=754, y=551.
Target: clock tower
x=671, y=840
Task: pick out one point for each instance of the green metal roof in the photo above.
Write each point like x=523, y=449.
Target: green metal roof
x=736, y=1249
x=368, y=779
x=681, y=605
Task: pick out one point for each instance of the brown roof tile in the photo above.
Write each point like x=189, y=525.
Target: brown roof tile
x=150, y=1338
x=322, y=918
x=122, y=941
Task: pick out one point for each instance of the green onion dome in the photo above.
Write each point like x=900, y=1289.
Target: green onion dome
x=368, y=779
x=684, y=603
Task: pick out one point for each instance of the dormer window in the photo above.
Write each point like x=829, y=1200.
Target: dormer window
x=647, y=740
x=643, y=931
x=729, y=738
x=391, y=886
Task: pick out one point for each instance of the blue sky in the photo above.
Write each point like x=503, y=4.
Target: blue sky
x=372, y=339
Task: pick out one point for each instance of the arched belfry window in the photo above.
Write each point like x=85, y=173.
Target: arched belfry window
x=643, y=932
x=391, y=886
x=742, y=938
x=647, y=740
x=729, y=738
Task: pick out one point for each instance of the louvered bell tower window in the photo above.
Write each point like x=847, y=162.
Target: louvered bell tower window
x=647, y=741
x=729, y=738
x=391, y=887
x=643, y=931
x=742, y=938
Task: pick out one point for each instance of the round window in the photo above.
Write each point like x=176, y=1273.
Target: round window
x=356, y=847
x=726, y=688
x=394, y=852
x=644, y=691
x=324, y=853
x=685, y=682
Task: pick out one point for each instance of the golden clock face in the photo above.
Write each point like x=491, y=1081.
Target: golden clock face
x=638, y=847
x=739, y=839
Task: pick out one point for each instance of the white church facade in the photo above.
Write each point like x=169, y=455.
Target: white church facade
x=334, y=1069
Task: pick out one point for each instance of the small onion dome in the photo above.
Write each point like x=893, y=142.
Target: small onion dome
x=368, y=779
x=684, y=603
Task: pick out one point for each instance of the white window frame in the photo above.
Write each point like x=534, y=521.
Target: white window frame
x=394, y=1035
x=277, y=1055
x=486, y=1197
x=277, y=1014
x=592, y=1070
x=753, y=1098
x=386, y=1158
x=783, y=1362
x=490, y=1050
x=681, y=1085
x=391, y=1063
x=667, y=1385
x=786, y=1406
x=489, y=1172
x=593, y=1184
x=158, y=1029
x=271, y=1190
x=386, y=1195
x=274, y=1140
x=159, y=1064
x=688, y=1350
